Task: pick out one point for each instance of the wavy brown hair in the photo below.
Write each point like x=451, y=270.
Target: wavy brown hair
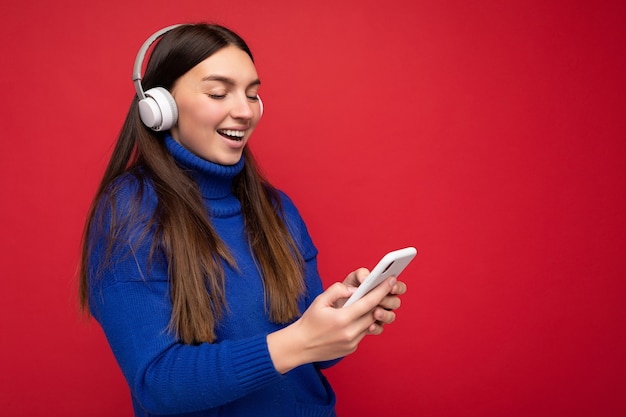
x=182, y=230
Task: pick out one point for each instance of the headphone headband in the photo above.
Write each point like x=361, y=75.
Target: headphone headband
x=141, y=56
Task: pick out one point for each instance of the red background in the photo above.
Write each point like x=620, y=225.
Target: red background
x=489, y=134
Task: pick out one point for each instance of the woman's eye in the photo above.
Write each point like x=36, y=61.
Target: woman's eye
x=217, y=96
x=253, y=98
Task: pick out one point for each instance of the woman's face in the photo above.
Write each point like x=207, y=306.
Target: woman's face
x=217, y=106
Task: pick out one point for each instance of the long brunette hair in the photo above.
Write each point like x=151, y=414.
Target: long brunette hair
x=193, y=250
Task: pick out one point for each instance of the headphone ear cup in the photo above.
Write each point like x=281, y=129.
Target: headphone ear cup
x=158, y=110
x=260, y=105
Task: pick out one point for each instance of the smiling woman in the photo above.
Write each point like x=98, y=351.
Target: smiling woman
x=201, y=273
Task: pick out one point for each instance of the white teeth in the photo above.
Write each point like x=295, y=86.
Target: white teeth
x=234, y=133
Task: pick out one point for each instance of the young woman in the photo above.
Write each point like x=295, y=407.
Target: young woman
x=202, y=274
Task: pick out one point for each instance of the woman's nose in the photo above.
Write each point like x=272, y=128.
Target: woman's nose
x=242, y=108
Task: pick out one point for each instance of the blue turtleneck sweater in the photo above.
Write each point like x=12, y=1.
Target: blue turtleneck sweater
x=235, y=376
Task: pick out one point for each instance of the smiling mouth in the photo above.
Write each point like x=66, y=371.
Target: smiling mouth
x=236, y=135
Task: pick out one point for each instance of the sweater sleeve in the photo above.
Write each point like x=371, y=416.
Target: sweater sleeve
x=129, y=297
x=166, y=376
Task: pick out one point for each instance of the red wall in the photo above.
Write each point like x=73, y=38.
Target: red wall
x=489, y=134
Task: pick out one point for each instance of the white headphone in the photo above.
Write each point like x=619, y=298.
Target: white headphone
x=157, y=107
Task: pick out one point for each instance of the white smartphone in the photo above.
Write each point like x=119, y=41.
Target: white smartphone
x=391, y=264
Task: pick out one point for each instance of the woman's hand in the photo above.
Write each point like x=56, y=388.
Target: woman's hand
x=384, y=314
x=326, y=332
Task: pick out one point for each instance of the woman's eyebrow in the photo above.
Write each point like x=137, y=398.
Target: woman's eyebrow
x=228, y=80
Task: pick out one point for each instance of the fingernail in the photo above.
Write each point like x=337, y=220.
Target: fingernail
x=393, y=281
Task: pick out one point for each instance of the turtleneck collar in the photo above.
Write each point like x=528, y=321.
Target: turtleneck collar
x=214, y=180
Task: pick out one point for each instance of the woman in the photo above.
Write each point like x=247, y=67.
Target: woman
x=202, y=275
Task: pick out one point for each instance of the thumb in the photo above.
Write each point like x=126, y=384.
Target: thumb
x=335, y=292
